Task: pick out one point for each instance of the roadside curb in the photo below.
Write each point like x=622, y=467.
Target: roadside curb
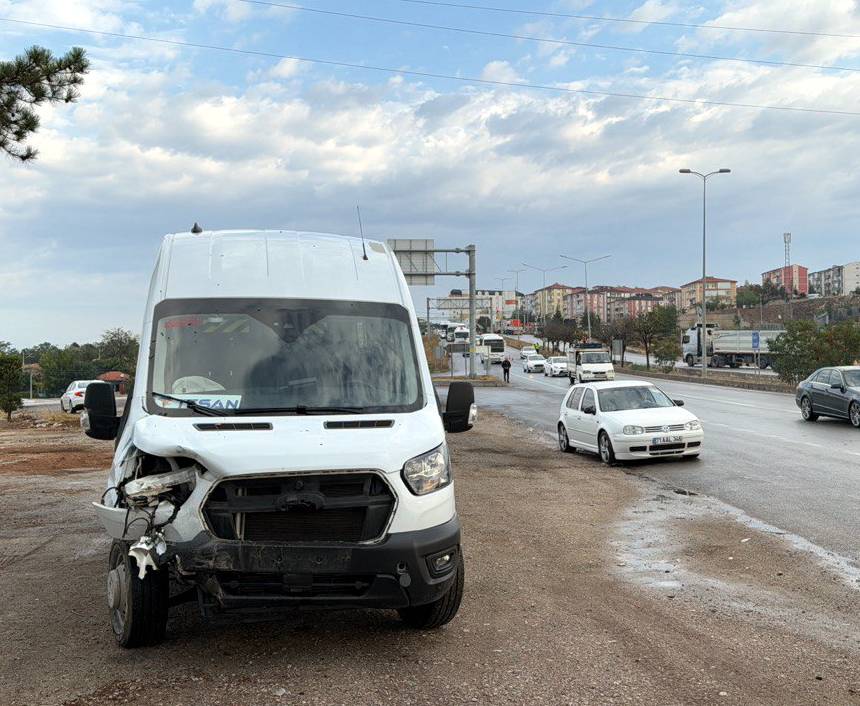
x=716, y=382
x=478, y=382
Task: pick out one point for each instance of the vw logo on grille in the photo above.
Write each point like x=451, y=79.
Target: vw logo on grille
x=665, y=428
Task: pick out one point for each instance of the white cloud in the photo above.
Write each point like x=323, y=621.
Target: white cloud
x=500, y=71
x=287, y=68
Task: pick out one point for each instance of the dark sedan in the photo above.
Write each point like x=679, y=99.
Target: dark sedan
x=831, y=392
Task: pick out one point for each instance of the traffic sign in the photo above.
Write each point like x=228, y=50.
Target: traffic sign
x=756, y=340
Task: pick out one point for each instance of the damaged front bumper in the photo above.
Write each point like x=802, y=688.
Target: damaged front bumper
x=395, y=573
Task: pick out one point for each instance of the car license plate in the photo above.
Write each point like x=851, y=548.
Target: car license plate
x=657, y=440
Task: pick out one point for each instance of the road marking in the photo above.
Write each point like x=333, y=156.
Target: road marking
x=781, y=438
x=741, y=404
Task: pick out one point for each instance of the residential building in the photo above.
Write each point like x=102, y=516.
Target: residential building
x=547, y=300
x=717, y=290
x=851, y=277
x=795, y=279
x=669, y=296
x=827, y=283
x=495, y=304
x=632, y=306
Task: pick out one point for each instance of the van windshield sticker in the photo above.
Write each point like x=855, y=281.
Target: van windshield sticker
x=210, y=401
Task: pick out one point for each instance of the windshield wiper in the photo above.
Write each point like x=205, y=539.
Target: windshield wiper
x=301, y=410
x=192, y=405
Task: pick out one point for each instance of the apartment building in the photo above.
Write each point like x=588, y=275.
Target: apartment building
x=717, y=290
x=851, y=277
x=795, y=279
x=495, y=304
x=827, y=283
x=547, y=300
x=632, y=306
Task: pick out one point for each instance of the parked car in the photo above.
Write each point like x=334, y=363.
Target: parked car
x=239, y=364
x=534, y=363
x=831, y=392
x=555, y=367
x=627, y=420
x=73, y=398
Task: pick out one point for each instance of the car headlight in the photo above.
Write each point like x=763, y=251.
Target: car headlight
x=632, y=430
x=695, y=425
x=428, y=472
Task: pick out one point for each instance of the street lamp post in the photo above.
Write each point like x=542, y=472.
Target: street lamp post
x=502, y=294
x=517, y=293
x=544, y=270
x=704, y=178
x=585, y=264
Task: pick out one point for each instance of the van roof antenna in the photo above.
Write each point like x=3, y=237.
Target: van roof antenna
x=361, y=230
x=196, y=228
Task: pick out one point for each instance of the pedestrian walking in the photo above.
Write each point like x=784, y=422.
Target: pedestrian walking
x=506, y=369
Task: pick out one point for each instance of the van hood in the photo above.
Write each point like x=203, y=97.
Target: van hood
x=293, y=443
x=597, y=367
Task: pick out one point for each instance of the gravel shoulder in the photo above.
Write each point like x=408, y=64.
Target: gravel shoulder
x=568, y=600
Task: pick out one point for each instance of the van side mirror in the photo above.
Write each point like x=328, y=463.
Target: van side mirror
x=460, y=410
x=678, y=403
x=100, y=420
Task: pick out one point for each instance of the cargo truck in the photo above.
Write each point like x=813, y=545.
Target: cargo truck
x=730, y=349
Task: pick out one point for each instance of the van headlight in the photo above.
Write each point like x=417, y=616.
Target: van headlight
x=428, y=472
x=695, y=425
x=632, y=430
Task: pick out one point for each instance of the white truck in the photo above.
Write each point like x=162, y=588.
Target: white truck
x=589, y=363
x=730, y=348
x=283, y=445
x=495, y=345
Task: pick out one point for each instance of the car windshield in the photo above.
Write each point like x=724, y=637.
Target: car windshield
x=852, y=377
x=600, y=357
x=618, y=399
x=283, y=355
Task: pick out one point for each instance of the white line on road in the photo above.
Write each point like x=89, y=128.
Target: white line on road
x=780, y=438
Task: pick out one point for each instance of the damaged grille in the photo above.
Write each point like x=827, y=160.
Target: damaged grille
x=352, y=507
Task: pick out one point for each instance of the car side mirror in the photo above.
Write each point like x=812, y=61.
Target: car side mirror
x=678, y=403
x=589, y=409
x=460, y=410
x=99, y=420
x=836, y=386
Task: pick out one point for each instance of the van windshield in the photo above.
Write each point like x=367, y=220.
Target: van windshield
x=283, y=355
x=599, y=357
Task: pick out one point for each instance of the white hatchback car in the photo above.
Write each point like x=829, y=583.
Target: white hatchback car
x=534, y=363
x=556, y=367
x=627, y=420
x=73, y=398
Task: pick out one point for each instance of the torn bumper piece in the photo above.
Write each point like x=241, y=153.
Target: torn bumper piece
x=250, y=575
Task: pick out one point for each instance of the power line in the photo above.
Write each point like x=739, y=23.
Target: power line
x=547, y=40
x=428, y=74
x=663, y=23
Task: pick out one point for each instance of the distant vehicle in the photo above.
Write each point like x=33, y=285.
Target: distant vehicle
x=730, y=349
x=534, y=363
x=627, y=420
x=496, y=345
x=555, y=367
x=831, y=392
x=526, y=352
x=73, y=398
x=590, y=364
x=461, y=334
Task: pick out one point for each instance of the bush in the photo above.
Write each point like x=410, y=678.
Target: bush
x=10, y=384
x=804, y=348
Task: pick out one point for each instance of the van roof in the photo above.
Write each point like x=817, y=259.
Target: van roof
x=277, y=264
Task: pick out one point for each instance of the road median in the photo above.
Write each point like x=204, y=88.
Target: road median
x=723, y=379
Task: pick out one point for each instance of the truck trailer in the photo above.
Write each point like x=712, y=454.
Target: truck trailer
x=730, y=348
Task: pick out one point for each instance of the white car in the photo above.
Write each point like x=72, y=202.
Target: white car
x=534, y=363
x=555, y=367
x=526, y=352
x=73, y=398
x=627, y=420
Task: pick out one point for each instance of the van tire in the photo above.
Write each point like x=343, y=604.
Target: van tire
x=436, y=614
x=145, y=621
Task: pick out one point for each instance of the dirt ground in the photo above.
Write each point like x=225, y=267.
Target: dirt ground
x=583, y=585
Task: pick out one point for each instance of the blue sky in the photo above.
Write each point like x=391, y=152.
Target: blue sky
x=166, y=135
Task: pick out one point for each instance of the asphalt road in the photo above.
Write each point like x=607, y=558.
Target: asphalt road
x=759, y=455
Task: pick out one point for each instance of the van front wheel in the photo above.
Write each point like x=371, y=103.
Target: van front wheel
x=436, y=614
x=138, y=608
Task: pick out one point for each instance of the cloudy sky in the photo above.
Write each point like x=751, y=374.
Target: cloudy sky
x=166, y=134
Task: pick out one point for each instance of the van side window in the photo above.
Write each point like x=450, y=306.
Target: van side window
x=573, y=400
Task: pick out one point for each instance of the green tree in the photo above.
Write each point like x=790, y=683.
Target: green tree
x=646, y=329
x=749, y=295
x=667, y=350
x=29, y=80
x=60, y=367
x=620, y=329
x=10, y=384
x=665, y=321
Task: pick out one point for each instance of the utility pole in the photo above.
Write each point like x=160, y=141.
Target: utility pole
x=470, y=249
x=517, y=296
x=585, y=264
x=787, y=273
x=704, y=178
x=502, y=295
